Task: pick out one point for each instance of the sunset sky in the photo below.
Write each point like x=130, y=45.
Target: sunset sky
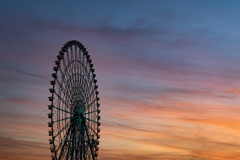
x=168, y=74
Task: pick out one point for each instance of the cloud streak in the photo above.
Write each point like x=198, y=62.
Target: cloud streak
x=26, y=73
x=168, y=75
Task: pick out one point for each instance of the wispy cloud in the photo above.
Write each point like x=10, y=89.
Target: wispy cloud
x=26, y=73
x=168, y=75
x=14, y=149
x=19, y=101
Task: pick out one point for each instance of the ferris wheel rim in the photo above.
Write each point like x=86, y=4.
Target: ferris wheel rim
x=82, y=114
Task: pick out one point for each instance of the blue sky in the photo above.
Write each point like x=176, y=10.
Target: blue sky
x=168, y=75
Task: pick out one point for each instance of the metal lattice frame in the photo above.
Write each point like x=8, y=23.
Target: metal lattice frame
x=74, y=125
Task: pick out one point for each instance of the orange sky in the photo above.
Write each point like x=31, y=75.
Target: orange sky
x=168, y=74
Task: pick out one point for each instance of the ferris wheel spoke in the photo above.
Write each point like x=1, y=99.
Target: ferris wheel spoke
x=70, y=69
x=64, y=110
x=70, y=88
x=91, y=94
x=88, y=130
x=68, y=143
x=63, y=144
x=73, y=82
x=65, y=119
x=86, y=87
x=90, y=145
x=86, y=83
x=74, y=149
x=79, y=140
x=90, y=105
x=67, y=127
x=65, y=136
x=79, y=69
x=67, y=106
x=89, y=126
x=84, y=75
x=75, y=143
x=61, y=99
x=83, y=83
x=67, y=70
x=71, y=148
x=90, y=90
x=87, y=153
x=79, y=93
x=91, y=120
x=89, y=81
x=62, y=139
x=68, y=59
x=61, y=86
x=64, y=101
x=84, y=68
x=74, y=66
x=82, y=146
x=79, y=89
x=63, y=129
x=83, y=95
x=71, y=54
x=91, y=112
x=72, y=142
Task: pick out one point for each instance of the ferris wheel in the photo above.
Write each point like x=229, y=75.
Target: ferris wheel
x=74, y=109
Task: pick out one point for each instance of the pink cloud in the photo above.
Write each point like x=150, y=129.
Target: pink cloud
x=19, y=101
